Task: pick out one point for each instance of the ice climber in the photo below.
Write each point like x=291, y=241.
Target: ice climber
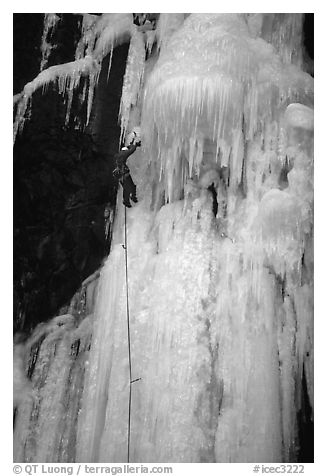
x=121, y=172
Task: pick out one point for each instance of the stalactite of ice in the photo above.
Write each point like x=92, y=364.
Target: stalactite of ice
x=69, y=102
x=150, y=39
x=50, y=23
x=68, y=77
x=110, y=63
x=93, y=79
x=132, y=79
x=220, y=268
x=68, y=84
x=22, y=105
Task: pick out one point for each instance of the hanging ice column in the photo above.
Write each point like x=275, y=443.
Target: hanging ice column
x=220, y=293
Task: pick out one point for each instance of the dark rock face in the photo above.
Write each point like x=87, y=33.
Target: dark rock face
x=60, y=191
x=62, y=181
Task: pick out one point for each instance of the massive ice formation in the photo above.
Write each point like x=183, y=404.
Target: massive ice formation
x=220, y=261
x=214, y=82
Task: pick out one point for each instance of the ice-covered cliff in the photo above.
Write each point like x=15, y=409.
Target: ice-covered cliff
x=220, y=260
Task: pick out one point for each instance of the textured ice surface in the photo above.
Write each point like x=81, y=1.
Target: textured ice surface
x=213, y=80
x=49, y=380
x=298, y=115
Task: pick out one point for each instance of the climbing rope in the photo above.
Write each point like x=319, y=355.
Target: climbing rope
x=129, y=342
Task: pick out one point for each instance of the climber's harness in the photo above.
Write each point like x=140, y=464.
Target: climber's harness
x=120, y=172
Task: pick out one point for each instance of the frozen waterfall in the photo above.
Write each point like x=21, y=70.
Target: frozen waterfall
x=220, y=263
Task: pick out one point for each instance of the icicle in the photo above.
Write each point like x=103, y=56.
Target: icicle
x=150, y=39
x=50, y=23
x=93, y=79
x=110, y=63
x=70, y=96
x=68, y=84
x=68, y=76
x=208, y=98
x=23, y=105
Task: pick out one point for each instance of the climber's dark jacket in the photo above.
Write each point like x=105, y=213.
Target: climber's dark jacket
x=121, y=172
x=120, y=158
